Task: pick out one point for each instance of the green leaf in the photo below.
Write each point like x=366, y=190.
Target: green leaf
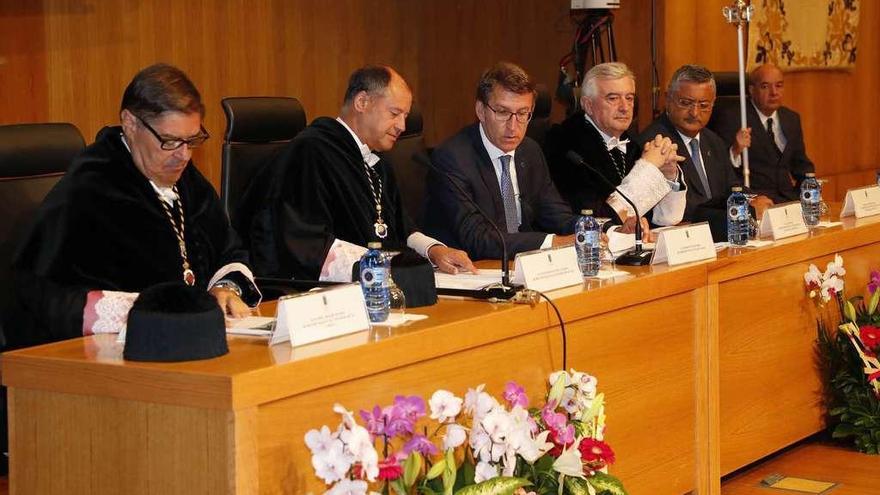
x=849, y=311
x=495, y=486
x=605, y=483
x=437, y=469
x=398, y=486
x=872, y=304
x=843, y=430
x=576, y=486
x=449, y=473
x=411, y=468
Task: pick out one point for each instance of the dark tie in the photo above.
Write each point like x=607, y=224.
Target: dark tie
x=698, y=164
x=773, y=137
x=508, y=196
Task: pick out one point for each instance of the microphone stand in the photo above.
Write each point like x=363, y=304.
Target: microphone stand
x=637, y=256
x=507, y=290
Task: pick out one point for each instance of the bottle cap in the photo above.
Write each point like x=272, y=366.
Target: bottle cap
x=586, y=212
x=810, y=174
x=736, y=189
x=374, y=245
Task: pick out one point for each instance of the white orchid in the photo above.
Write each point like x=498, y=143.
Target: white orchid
x=478, y=403
x=835, y=267
x=830, y=287
x=532, y=449
x=455, y=436
x=813, y=277
x=333, y=464
x=484, y=471
x=444, y=406
x=569, y=463
x=348, y=487
x=320, y=441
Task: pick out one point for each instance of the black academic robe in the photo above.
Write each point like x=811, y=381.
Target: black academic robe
x=314, y=191
x=102, y=227
x=579, y=186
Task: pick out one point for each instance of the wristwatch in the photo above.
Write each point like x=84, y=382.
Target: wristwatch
x=228, y=285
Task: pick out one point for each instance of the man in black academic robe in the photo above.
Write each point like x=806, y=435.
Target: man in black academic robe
x=326, y=195
x=103, y=228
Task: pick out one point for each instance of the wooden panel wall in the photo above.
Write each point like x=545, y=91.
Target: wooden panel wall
x=838, y=109
x=69, y=60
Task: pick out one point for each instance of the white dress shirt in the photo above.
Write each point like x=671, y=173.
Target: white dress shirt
x=778, y=135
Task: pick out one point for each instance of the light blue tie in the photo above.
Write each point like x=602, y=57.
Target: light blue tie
x=507, y=196
x=698, y=164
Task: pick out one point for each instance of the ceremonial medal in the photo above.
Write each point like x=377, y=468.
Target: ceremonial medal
x=381, y=229
x=189, y=277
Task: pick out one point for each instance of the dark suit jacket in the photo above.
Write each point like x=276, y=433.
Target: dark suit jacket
x=451, y=218
x=769, y=173
x=580, y=187
x=719, y=171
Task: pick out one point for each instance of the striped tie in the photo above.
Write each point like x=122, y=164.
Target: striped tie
x=508, y=196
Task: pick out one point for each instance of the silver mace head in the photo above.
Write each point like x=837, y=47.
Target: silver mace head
x=738, y=13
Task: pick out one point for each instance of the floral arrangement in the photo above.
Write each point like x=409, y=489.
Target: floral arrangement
x=476, y=445
x=848, y=357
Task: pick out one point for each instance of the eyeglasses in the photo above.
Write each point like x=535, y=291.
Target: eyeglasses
x=171, y=144
x=703, y=106
x=522, y=116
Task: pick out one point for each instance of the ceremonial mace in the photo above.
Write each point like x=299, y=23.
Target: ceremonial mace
x=740, y=14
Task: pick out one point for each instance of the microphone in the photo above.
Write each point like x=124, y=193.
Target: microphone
x=507, y=290
x=636, y=256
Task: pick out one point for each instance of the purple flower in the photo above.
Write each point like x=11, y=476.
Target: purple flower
x=421, y=444
x=412, y=407
x=875, y=281
x=397, y=423
x=557, y=423
x=375, y=422
x=515, y=395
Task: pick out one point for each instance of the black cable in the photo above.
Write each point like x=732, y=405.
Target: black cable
x=561, y=330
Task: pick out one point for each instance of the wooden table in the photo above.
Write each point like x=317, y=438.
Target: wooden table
x=706, y=367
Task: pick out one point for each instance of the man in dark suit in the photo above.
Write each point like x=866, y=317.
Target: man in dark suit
x=598, y=134
x=502, y=171
x=707, y=167
x=777, y=155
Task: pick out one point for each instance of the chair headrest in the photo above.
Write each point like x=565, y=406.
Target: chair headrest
x=727, y=83
x=37, y=149
x=543, y=102
x=262, y=119
x=413, y=122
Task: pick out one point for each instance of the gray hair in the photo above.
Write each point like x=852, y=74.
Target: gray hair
x=690, y=73
x=608, y=70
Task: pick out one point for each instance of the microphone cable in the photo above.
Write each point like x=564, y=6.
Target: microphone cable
x=530, y=296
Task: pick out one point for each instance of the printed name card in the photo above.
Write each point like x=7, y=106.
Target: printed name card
x=319, y=315
x=684, y=244
x=783, y=221
x=548, y=269
x=861, y=202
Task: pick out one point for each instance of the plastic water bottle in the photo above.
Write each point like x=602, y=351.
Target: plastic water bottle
x=811, y=200
x=586, y=236
x=374, y=282
x=737, y=218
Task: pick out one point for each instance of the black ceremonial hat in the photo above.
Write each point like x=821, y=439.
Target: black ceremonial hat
x=175, y=322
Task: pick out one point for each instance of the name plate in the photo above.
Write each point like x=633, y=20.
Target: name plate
x=684, y=244
x=782, y=221
x=319, y=315
x=861, y=202
x=548, y=269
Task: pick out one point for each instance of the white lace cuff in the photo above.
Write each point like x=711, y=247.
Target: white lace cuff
x=340, y=258
x=106, y=311
x=645, y=185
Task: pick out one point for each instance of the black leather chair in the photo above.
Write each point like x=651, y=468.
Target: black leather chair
x=409, y=158
x=256, y=128
x=726, y=95
x=32, y=159
x=540, y=123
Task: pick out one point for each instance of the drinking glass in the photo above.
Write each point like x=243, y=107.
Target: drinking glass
x=606, y=257
x=396, y=297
